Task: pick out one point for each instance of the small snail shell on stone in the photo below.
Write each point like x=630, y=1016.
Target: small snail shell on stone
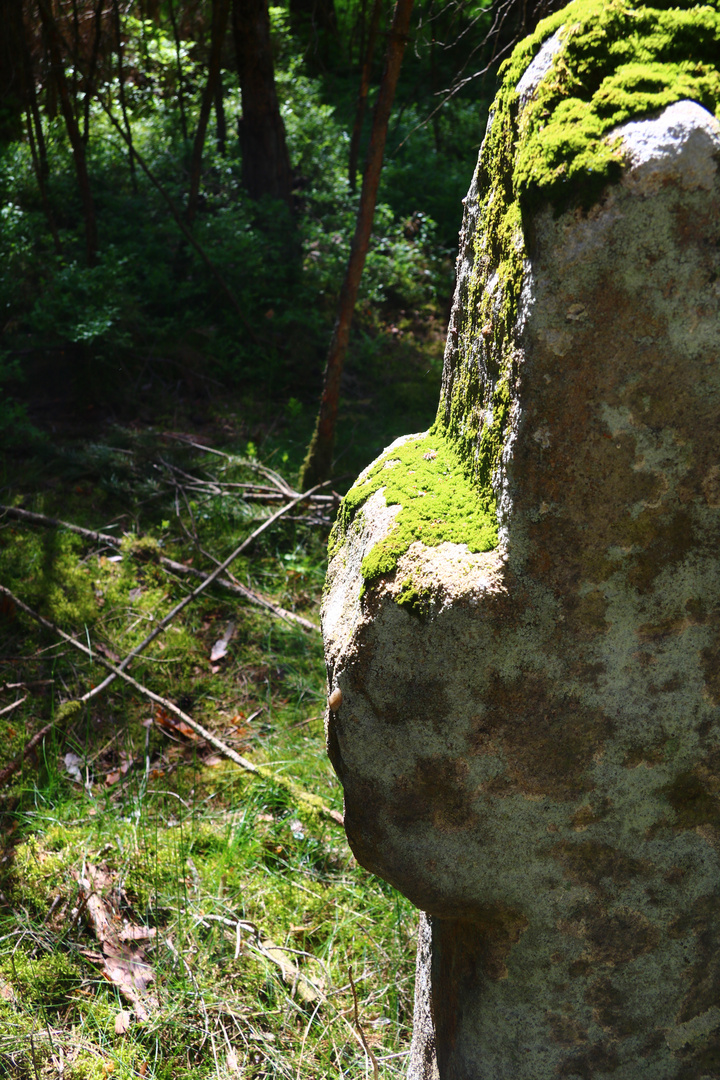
x=335, y=699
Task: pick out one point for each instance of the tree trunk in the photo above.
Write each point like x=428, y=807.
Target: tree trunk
x=37, y=166
x=121, y=89
x=217, y=34
x=363, y=92
x=181, y=78
x=12, y=46
x=39, y=151
x=76, y=142
x=315, y=23
x=92, y=67
x=318, y=463
x=220, y=121
x=265, y=158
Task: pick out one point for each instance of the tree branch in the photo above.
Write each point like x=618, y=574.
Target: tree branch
x=313, y=802
x=174, y=567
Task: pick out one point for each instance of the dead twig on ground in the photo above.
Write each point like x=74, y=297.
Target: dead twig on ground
x=251, y=595
x=313, y=802
x=165, y=622
x=255, y=492
x=13, y=705
x=361, y=1033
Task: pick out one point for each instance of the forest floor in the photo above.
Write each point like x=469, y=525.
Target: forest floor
x=165, y=912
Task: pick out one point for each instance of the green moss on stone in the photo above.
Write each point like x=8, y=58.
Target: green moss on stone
x=617, y=62
x=416, y=599
x=426, y=478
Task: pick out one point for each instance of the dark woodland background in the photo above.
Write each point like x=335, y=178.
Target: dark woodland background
x=179, y=183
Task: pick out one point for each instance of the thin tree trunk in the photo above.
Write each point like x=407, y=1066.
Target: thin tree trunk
x=265, y=159
x=90, y=80
x=220, y=122
x=121, y=89
x=219, y=22
x=363, y=92
x=43, y=169
x=76, y=142
x=359, y=29
x=75, y=55
x=37, y=166
x=315, y=23
x=318, y=463
x=181, y=78
x=13, y=96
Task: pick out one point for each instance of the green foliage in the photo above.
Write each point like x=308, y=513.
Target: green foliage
x=86, y=304
x=151, y=302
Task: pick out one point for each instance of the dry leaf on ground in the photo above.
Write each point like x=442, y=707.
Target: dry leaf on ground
x=122, y=1022
x=220, y=648
x=124, y=962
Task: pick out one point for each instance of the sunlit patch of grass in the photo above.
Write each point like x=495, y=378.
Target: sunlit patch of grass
x=257, y=906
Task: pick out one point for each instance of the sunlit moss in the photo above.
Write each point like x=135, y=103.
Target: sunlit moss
x=425, y=476
x=48, y=980
x=44, y=569
x=616, y=61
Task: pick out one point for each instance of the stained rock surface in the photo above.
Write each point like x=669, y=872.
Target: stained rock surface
x=528, y=734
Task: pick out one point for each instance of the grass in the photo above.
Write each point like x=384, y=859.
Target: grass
x=242, y=912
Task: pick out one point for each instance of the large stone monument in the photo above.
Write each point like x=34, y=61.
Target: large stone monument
x=522, y=610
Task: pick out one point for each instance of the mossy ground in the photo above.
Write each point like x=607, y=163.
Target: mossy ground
x=187, y=843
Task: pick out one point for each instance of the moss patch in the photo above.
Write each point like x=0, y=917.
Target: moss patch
x=427, y=478
x=618, y=61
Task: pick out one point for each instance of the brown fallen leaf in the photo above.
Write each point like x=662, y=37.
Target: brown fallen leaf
x=122, y=1022
x=172, y=726
x=124, y=963
x=137, y=933
x=107, y=653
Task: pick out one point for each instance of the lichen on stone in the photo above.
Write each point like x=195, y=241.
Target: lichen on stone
x=426, y=477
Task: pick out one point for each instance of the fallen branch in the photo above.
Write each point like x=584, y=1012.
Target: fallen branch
x=14, y=705
x=275, y=478
x=253, y=492
x=312, y=802
x=161, y=626
x=361, y=1033
x=235, y=587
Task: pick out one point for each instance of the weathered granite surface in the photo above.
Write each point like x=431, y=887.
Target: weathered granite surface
x=528, y=736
